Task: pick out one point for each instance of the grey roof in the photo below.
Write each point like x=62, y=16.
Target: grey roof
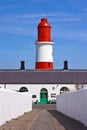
x=43, y=76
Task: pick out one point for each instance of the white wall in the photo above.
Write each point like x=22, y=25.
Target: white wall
x=34, y=89
x=74, y=105
x=13, y=104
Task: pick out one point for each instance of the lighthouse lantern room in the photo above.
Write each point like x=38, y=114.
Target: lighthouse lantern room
x=44, y=46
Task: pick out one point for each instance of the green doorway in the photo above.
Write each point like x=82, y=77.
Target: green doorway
x=43, y=96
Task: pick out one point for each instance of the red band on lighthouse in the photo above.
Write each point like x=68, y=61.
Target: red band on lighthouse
x=44, y=50
x=44, y=65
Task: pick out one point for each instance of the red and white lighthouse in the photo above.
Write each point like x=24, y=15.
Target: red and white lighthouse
x=44, y=46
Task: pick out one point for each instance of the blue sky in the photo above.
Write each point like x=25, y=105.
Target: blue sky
x=18, y=31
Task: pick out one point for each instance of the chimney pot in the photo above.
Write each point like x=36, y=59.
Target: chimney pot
x=65, y=65
x=22, y=65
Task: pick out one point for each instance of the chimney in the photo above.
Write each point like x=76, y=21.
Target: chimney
x=22, y=65
x=65, y=65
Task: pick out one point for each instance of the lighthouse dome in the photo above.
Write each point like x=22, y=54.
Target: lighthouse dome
x=44, y=23
x=44, y=31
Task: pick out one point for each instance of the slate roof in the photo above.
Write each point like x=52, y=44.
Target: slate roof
x=43, y=76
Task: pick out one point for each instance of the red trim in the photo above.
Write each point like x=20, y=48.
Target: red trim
x=44, y=65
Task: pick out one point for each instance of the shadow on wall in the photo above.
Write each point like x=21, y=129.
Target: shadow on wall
x=66, y=122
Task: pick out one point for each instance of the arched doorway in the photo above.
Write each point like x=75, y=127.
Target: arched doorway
x=43, y=96
x=23, y=89
x=64, y=90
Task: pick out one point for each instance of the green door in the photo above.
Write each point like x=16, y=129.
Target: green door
x=43, y=96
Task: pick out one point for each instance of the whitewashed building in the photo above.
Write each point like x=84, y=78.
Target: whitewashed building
x=44, y=85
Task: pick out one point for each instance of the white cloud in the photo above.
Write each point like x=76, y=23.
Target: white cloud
x=17, y=24
x=42, y=15
x=53, y=16
x=72, y=19
x=33, y=18
x=17, y=30
x=81, y=35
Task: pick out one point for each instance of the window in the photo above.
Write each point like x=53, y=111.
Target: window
x=43, y=90
x=64, y=90
x=53, y=88
x=33, y=96
x=53, y=95
x=23, y=89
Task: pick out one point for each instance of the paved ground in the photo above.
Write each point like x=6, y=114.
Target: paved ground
x=23, y=122
x=53, y=120
x=44, y=106
x=43, y=122
x=43, y=119
x=63, y=122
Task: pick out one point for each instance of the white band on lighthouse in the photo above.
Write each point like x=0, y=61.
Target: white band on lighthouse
x=44, y=52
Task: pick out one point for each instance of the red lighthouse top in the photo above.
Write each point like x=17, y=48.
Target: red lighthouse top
x=44, y=31
x=44, y=23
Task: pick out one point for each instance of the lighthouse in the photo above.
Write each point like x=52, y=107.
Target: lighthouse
x=44, y=46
